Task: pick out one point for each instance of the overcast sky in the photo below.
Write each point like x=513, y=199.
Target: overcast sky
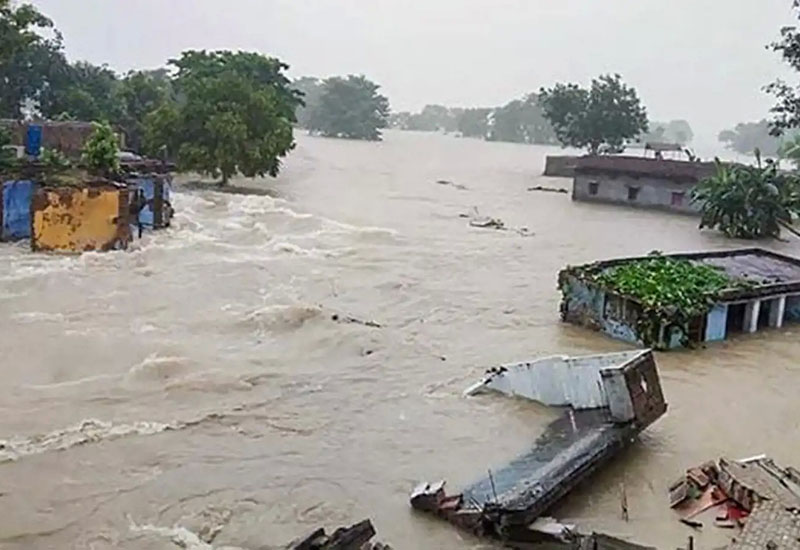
x=703, y=60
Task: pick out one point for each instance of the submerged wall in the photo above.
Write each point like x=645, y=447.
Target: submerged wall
x=156, y=191
x=587, y=305
x=590, y=306
x=71, y=219
x=560, y=166
x=636, y=191
x=15, y=210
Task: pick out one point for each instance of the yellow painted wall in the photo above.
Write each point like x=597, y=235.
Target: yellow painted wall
x=74, y=219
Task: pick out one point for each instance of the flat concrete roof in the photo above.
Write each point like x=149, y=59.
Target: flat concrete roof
x=760, y=268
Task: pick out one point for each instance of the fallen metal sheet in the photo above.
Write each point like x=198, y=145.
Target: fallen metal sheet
x=618, y=395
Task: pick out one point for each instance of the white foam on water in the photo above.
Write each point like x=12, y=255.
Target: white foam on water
x=180, y=536
x=281, y=316
x=38, y=317
x=88, y=431
x=155, y=367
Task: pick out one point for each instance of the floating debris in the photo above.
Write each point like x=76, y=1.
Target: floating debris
x=494, y=223
x=450, y=183
x=356, y=537
x=610, y=398
x=548, y=189
x=336, y=317
x=753, y=494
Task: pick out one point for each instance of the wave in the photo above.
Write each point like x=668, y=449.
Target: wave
x=158, y=368
x=180, y=536
x=277, y=317
x=88, y=431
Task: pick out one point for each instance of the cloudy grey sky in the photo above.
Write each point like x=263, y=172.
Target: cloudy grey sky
x=703, y=60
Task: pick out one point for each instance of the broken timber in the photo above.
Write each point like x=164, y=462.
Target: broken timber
x=609, y=399
x=356, y=537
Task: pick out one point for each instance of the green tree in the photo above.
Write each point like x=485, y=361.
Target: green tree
x=747, y=137
x=675, y=131
x=7, y=158
x=27, y=57
x=139, y=94
x=82, y=91
x=521, y=121
x=399, y=120
x=601, y=119
x=474, y=123
x=311, y=88
x=433, y=118
x=680, y=132
x=350, y=108
x=101, y=152
x=787, y=110
x=748, y=202
x=233, y=114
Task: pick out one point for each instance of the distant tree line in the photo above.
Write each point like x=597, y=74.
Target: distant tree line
x=603, y=118
x=518, y=121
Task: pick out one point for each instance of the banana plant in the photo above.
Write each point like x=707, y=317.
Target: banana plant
x=748, y=202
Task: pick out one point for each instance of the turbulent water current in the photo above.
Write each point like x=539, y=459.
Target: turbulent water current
x=196, y=392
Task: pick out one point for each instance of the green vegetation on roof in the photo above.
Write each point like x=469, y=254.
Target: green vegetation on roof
x=670, y=292
x=667, y=283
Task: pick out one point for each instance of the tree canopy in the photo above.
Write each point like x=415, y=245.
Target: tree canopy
x=475, y=123
x=748, y=202
x=675, y=131
x=602, y=118
x=521, y=121
x=787, y=110
x=351, y=108
x=234, y=114
x=747, y=137
x=27, y=58
x=311, y=88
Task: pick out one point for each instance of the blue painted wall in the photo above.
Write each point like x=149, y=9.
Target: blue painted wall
x=583, y=302
x=620, y=331
x=584, y=306
x=716, y=323
x=17, y=197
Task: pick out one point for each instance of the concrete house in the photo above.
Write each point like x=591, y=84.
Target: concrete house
x=639, y=182
x=766, y=294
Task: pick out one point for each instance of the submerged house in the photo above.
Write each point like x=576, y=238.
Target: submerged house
x=639, y=182
x=671, y=301
x=66, y=209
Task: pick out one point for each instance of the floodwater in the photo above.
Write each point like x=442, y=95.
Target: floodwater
x=198, y=385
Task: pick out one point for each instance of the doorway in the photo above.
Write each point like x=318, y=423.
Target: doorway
x=735, y=321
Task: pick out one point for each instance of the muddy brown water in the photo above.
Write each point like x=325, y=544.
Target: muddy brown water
x=196, y=384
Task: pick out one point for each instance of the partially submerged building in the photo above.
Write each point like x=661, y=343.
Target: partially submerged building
x=758, y=289
x=607, y=399
x=639, y=182
x=64, y=208
x=92, y=216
